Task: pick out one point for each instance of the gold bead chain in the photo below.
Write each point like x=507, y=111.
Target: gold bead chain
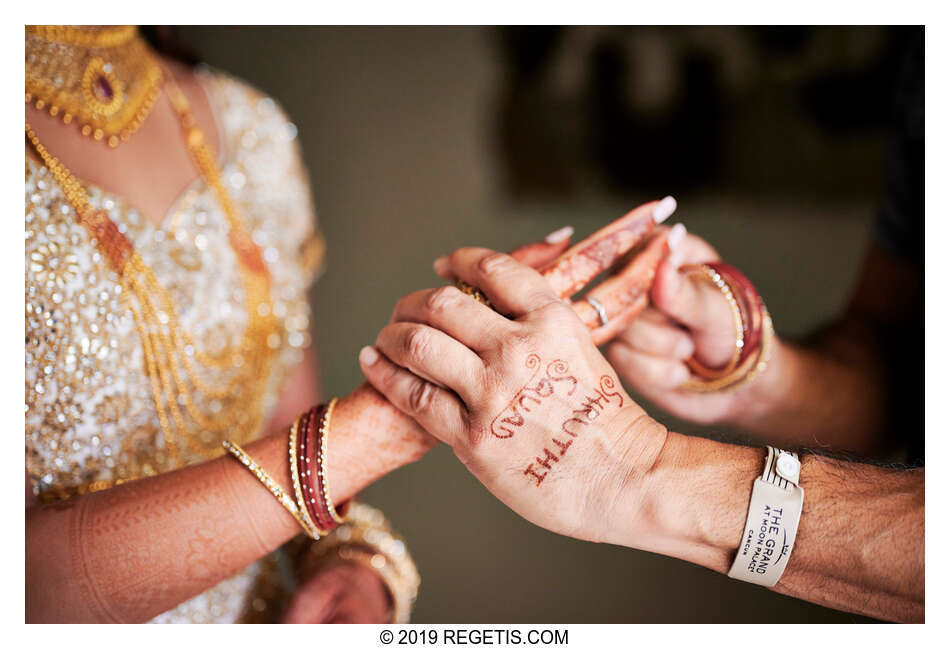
x=171, y=355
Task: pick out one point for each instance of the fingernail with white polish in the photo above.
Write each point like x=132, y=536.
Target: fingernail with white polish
x=368, y=356
x=675, y=259
x=664, y=209
x=676, y=236
x=673, y=240
x=441, y=264
x=560, y=235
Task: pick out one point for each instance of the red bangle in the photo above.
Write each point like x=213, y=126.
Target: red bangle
x=320, y=449
x=311, y=467
x=751, y=301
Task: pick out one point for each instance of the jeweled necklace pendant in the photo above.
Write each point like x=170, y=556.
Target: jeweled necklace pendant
x=106, y=79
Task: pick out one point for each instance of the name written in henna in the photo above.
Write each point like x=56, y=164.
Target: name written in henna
x=589, y=410
x=534, y=392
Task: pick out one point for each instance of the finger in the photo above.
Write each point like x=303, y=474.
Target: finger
x=536, y=254
x=680, y=297
x=692, y=302
x=572, y=271
x=513, y=288
x=688, y=248
x=542, y=253
x=658, y=339
x=608, y=307
x=433, y=355
x=448, y=309
x=436, y=409
x=618, y=323
x=645, y=373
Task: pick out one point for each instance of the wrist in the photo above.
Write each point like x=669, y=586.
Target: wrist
x=369, y=438
x=755, y=403
x=692, y=503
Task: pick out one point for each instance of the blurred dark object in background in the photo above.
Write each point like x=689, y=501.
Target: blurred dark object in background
x=167, y=40
x=628, y=109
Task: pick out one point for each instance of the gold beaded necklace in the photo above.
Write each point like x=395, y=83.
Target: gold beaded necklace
x=176, y=367
x=104, y=78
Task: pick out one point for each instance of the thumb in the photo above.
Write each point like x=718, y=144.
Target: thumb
x=674, y=294
x=696, y=304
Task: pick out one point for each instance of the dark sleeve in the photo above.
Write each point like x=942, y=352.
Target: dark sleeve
x=899, y=226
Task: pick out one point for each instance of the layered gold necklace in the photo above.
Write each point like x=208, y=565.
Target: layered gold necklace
x=231, y=381
x=103, y=78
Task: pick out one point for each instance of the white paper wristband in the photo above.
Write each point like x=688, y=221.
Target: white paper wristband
x=772, y=523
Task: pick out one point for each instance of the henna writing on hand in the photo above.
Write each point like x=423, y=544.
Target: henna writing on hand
x=590, y=409
x=557, y=373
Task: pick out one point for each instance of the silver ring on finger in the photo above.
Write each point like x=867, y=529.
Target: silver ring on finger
x=599, y=308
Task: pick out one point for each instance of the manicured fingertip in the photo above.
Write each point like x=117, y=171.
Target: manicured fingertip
x=664, y=209
x=676, y=236
x=560, y=235
x=673, y=241
x=368, y=356
x=441, y=266
x=675, y=259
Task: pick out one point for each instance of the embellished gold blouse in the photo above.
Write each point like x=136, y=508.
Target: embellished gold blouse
x=91, y=419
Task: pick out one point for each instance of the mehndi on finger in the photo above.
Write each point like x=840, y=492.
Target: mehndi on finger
x=581, y=263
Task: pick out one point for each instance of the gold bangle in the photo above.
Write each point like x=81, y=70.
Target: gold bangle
x=747, y=371
x=709, y=275
x=324, y=445
x=276, y=490
x=313, y=531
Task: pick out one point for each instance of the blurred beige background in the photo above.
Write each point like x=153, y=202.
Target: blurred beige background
x=399, y=129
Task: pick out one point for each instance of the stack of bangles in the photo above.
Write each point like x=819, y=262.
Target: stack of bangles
x=754, y=333
x=358, y=533
x=310, y=503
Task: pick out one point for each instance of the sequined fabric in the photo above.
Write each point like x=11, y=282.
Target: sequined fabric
x=90, y=414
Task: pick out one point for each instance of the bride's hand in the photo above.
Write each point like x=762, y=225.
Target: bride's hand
x=340, y=593
x=528, y=403
x=687, y=317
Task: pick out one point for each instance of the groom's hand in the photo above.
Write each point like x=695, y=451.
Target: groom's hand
x=527, y=401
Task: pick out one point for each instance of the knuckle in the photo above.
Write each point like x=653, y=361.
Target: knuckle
x=442, y=299
x=417, y=343
x=557, y=319
x=420, y=396
x=521, y=341
x=554, y=311
x=495, y=263
x=551, y=306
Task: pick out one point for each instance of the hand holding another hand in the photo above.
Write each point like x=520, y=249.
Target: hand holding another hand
x=528, y=403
